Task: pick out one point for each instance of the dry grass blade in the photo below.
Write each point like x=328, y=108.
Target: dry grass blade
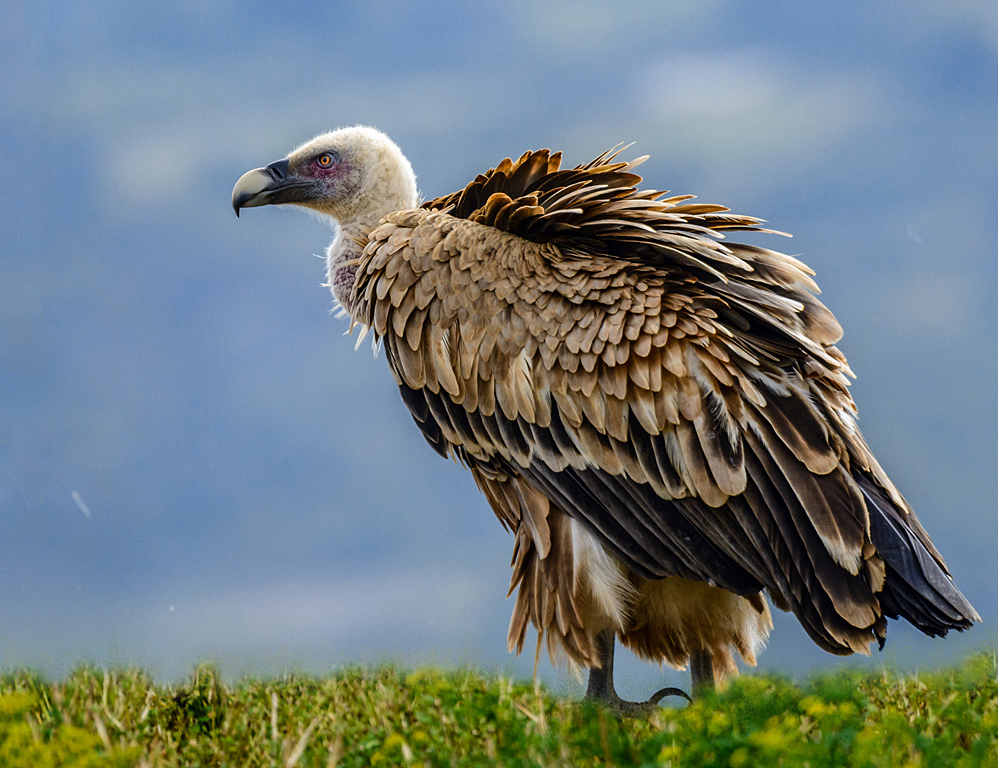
x=36, y=734
x=102, y=731
x=335, y=752
x=299, y=749
x=273, y=716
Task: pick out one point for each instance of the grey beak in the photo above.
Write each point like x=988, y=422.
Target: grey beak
x=259, y=186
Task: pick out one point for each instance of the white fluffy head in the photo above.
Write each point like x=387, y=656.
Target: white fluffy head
x=367, y=177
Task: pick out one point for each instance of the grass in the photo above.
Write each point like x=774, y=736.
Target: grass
x=390, y=717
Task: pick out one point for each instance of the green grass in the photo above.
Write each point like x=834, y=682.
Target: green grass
x=390, y=717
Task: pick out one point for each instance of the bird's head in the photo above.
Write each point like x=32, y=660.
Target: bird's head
x=352, y=175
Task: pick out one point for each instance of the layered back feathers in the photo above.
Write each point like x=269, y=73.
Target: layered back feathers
x=597, y=209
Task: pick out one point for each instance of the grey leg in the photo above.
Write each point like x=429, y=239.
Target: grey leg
x=702, y=672
x=600, y=687
x=601, y=680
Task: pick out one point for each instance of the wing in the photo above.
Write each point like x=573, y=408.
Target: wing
x=678, y=397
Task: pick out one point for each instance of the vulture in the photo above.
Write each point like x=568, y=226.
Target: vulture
x=658, y=415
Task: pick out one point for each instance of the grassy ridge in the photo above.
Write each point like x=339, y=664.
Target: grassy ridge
x=390, y=717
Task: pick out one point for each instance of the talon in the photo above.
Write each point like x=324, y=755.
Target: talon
x=659, y=695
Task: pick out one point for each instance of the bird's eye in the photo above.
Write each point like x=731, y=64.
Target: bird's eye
x=324, y=160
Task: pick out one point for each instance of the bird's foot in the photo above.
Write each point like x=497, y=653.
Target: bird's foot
x=623, y=708
x=600, y=687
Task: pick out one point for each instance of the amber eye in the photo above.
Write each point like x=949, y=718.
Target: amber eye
x=324, y=160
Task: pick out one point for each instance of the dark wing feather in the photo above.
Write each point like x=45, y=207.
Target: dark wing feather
x=429, y=425
x=677, y=395
x=917, y=586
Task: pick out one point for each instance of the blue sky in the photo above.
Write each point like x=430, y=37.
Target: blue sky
x=195, y=463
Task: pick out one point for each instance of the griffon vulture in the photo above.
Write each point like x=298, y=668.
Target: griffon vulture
x=657, y=414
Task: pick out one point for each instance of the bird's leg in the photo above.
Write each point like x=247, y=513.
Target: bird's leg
x=701, y=672
x=601, y=679
x=601, y=689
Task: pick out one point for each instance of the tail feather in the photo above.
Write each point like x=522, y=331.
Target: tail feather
x=918, y=587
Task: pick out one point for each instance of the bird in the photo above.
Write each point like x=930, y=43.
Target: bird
x=657, y=414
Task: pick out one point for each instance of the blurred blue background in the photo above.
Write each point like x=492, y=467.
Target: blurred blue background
x=194, y=462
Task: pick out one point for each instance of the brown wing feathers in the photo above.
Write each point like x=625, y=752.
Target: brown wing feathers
x=677, y=395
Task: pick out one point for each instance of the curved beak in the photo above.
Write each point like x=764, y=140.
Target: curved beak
x=268, y=186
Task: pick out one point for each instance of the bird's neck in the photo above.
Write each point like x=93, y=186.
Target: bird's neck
x=395, y=192
x=393, y=188
x=342, y=260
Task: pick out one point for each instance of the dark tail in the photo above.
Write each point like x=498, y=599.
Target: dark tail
x=918, y=586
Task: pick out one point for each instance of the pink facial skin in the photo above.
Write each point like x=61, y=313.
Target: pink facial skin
x=335, y=169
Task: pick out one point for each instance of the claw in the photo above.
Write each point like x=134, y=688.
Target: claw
x=659, y=695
